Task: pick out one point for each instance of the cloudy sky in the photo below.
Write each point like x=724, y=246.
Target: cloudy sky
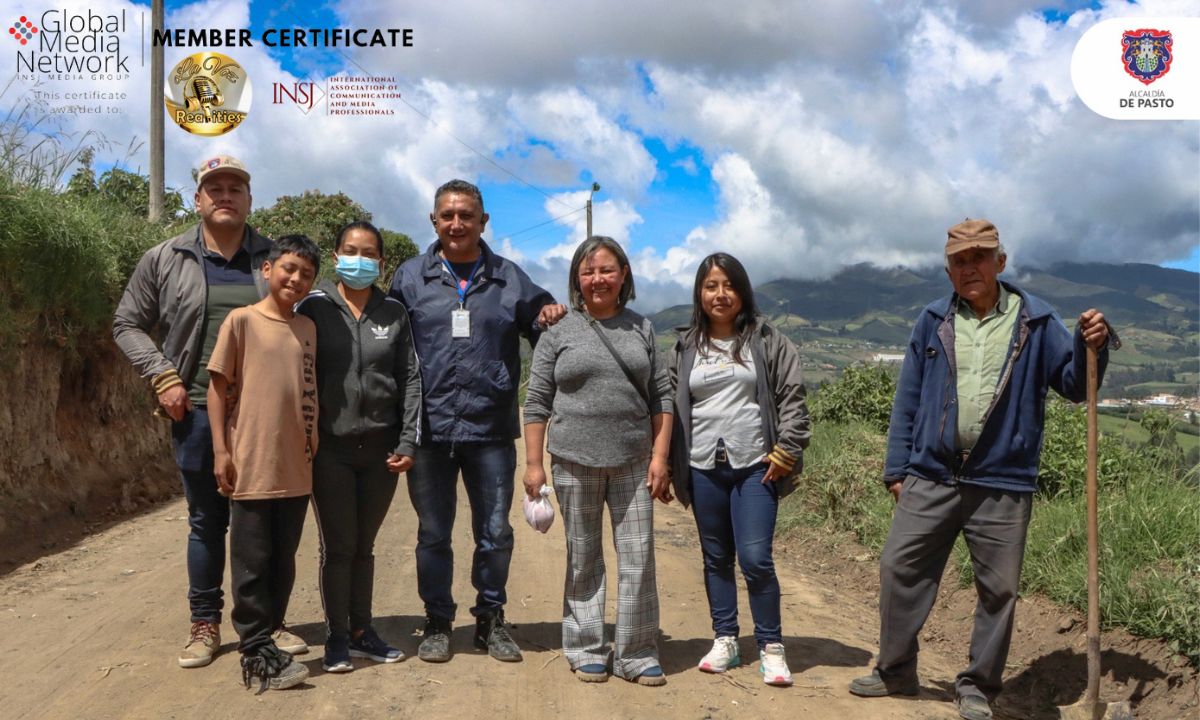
x=800, y=136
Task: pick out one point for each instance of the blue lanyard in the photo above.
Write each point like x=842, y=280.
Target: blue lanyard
x=458, y=285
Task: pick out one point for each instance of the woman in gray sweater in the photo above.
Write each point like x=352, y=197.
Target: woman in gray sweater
x=595, y=380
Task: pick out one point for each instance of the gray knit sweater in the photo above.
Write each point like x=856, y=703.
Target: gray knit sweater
x=596, y=416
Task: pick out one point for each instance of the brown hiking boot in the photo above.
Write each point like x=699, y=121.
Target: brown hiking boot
x=288, y=641
x=202, y=646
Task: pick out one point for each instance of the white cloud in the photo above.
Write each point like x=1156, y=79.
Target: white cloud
x=835, y=133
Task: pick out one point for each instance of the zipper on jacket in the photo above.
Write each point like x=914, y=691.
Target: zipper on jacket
x=359, y=350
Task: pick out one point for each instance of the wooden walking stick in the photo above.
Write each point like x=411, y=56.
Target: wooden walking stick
x=1090, y=707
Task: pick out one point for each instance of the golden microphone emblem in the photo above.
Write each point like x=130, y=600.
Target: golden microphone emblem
x=207, y=94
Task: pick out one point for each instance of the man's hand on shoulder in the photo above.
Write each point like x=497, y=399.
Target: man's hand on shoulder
x=1094, y=329
x=551, y=314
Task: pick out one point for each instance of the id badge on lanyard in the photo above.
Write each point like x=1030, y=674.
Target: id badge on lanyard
x=460, y=323
x=460, y=317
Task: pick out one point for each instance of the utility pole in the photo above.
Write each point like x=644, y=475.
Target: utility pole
x=595, y=189
x=156, y=115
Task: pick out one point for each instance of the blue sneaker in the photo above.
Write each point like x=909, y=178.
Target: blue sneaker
x=337, y=656
x=369, y=645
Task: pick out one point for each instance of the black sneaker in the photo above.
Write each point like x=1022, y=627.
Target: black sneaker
x=435, y=647
x=491, y=634
x=274, y=669
x=369, y=645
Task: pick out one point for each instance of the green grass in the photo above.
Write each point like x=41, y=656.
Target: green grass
x=1149, y=532
x=63, y=264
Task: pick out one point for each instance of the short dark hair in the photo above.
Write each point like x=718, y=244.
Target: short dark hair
x=299, y=245
x=461, y=187
x=585, y=250
x=358, y=225
x=743, y=324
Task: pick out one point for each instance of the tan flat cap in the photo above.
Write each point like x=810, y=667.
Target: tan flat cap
x=972, y=234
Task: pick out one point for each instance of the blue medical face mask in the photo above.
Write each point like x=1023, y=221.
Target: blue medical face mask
x=356, y=271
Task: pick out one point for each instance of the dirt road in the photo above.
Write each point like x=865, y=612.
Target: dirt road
x=93, y=632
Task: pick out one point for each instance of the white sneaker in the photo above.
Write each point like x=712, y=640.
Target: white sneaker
x=772, y=664
x=724, y=655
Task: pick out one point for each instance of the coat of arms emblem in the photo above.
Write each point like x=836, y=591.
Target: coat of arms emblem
x=1147, y=53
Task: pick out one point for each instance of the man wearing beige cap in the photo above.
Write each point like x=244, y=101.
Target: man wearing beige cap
x=183, y=288
x=962, y=457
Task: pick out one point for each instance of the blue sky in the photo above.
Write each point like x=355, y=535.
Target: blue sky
x=709, y=127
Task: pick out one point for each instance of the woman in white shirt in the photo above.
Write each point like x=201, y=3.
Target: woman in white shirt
x=741, y=425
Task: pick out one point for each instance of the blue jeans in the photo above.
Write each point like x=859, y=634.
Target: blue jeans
x=208, y=514
x=488, y=472
x=735, y=514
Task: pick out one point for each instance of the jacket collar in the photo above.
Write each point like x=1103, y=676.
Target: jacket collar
x=687, y=333
x=432, y=266
x=188, y=240
x=329, y=288
x=1031, y=307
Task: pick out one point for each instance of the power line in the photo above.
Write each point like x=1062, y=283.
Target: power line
x=576, y=211
x=459, y=140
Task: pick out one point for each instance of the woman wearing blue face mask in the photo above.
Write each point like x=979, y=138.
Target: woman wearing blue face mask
x=369, y=392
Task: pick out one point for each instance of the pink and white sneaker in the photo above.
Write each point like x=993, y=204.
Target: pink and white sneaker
x=773, y=667
x=724, y=655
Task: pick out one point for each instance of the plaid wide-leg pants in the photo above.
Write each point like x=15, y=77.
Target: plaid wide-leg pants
x=582, y=492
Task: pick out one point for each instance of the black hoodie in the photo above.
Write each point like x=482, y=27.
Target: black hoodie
x=367, y=374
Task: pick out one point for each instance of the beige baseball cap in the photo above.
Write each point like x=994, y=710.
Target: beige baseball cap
x=221, y=163
x=972, y=234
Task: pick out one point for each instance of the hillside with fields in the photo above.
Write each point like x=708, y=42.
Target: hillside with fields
x=865, y=311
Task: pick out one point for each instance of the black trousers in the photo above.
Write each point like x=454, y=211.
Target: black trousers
x=264, y=535
x=352, y=491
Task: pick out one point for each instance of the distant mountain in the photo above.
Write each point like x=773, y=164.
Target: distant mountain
x=869, y=307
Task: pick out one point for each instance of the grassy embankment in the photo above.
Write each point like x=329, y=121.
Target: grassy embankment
x=63, y=264
x=1149, y=516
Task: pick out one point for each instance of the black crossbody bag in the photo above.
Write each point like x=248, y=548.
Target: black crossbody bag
x=645, y=395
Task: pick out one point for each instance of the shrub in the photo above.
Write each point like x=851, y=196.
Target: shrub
x=863, y=393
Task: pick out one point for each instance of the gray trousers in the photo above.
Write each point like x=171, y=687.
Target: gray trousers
x=928, y=519
x=582, y=494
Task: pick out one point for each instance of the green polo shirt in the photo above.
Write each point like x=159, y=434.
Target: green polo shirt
x=981, y=347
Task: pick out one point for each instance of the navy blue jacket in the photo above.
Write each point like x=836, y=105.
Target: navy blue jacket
x=470, y=384
x=921, y=436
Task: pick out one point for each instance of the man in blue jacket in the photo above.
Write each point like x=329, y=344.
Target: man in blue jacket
x=963, y=451
x=469, y=308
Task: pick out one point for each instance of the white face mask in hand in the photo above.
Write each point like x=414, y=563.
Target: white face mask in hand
x=539, y=512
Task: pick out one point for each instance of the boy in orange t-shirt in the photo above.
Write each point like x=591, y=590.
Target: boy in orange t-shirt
x=262, y=403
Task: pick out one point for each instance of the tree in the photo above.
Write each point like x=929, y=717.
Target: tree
x=120, y=187
x=320, y=217
x=132, y=191
x=83, y=181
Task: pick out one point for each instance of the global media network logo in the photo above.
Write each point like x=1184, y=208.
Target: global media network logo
x=1147, y=53
x=23, y=30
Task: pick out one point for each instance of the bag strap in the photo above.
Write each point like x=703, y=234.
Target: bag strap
x=625, y=368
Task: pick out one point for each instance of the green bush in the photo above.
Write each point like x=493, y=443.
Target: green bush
x=863, y=393
x=63, y=263
x=841, y=486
